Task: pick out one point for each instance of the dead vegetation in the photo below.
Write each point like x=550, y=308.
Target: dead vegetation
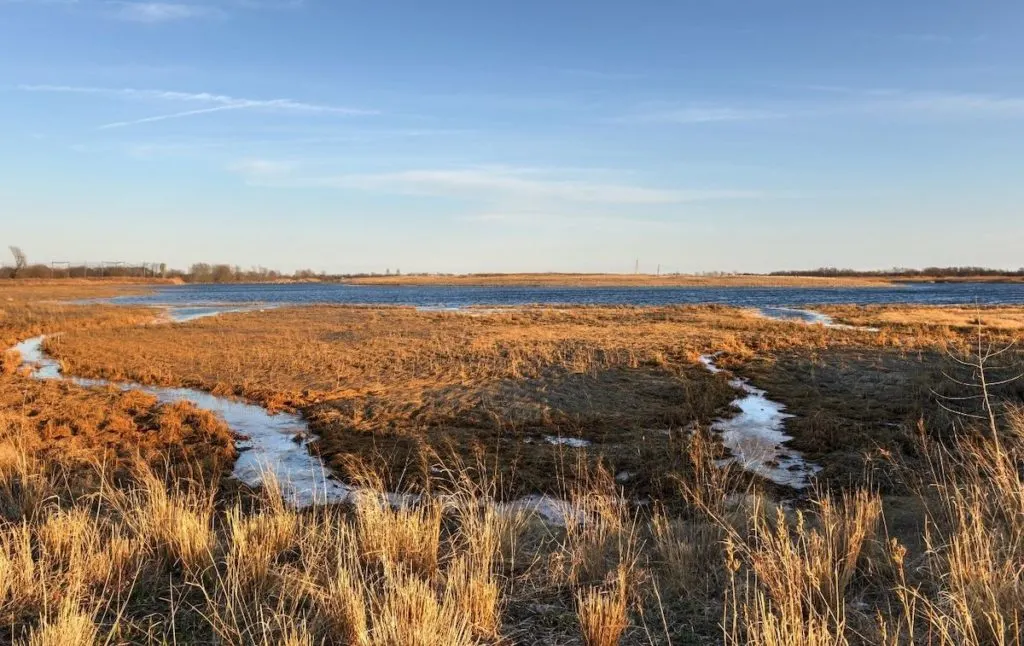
x=28, y=309
x=911, y=320
x=59, y=421
x=395, y=385
x=145, y=559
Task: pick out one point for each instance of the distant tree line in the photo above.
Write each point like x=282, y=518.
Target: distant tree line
x=202, y=272
x=937, y=272
x=223, y=273
x=22, y=268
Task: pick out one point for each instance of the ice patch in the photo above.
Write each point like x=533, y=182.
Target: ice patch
x=756, y=436
x=810, y=317
x=574, y=442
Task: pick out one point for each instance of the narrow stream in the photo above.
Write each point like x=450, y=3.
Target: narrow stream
x=756, y=436
x=276, y=443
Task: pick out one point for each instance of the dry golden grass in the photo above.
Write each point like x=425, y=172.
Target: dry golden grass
x=800, y=571
x=992, y=318
x=603, y=613
x=59, y=421
x=407, y=536
x=398, y=385
x=295, y=356
x=620, y=280
x=142, y=560
x=30, y=308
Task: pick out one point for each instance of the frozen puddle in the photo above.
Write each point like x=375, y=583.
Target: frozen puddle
x=756, y=436
x=794, y=314
x=573, y=442
x=810, y=317
x=186, y=313
x=275, y=443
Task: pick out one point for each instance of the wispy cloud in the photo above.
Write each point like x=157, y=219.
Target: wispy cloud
x=926, y=37
x=600, y=75
x=944, y=104
x=166, y=117
x=532, y=220
x=829, y=101
x=213, y=102
x=262, y=167
x=511, y=185
x=694, y=114
x=268, y=4
x=164, y=12
x=901, y=102
x=159, y=12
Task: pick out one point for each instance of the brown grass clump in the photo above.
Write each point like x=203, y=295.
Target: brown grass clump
x=68, y=627
x=601, y=532
x=801, y=570
x=25, y=486
x=257, y=541
x=474, y=589
x=177, y=523
x=343, y=605
x=681, y=550
x=410, y=613
x=974, y=543
x=603, y=613
x=10, y=361
x=58, y=420
x=407, y=535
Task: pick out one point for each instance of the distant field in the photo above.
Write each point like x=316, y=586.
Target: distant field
x=620, y=280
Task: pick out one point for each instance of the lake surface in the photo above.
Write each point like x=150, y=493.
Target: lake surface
x=459, y=297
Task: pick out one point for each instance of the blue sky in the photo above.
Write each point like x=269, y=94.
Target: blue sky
x=514, y=136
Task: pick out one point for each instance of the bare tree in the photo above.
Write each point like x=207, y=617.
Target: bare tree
x=20, y=260
x=981, y=383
